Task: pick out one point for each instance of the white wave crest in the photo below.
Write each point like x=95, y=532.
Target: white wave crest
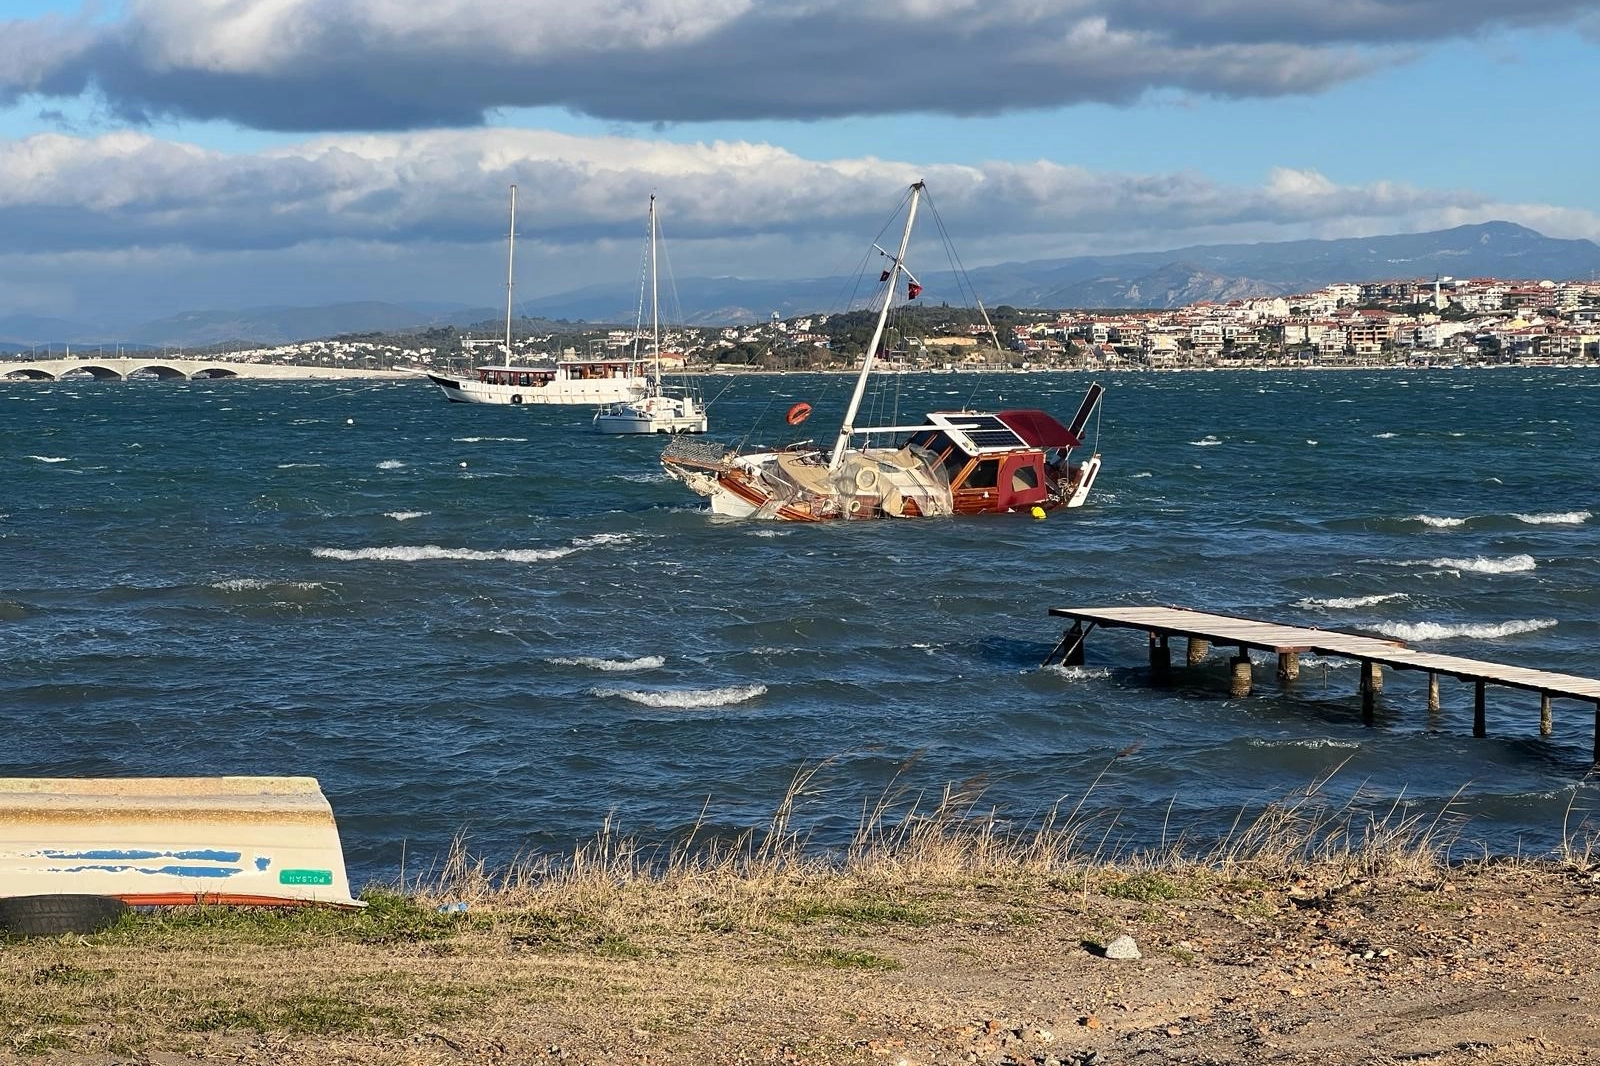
x=405, y=516
x=1142, y=473
x=1511, y=564
x=405, y=553
x=644, y=662
x=244, y=584
x=598, y=539
x=497, y=440
x=298, y=466
x=1345, y=603
x=1384, y=436
x=1555, y=518
x=50, y=458
x=688, y=699
x=1436, y=522
x=390, y=464
x=1205, y=442
x=1475, y=630
x=1077, y=673
x=1306, y=742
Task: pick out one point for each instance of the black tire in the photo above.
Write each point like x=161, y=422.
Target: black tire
x=516, y=397
x=58, y=913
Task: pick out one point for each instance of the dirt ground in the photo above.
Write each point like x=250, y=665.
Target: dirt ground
x=1489, y=964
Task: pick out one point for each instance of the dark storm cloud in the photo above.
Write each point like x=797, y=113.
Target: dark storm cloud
x=384, y=64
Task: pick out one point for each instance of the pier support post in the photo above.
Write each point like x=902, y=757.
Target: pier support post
x=1288, y=667
x=1074, y=655
x=1239, y=681
x=1160, y=658
x=1597, y=734
x=1375, y=681
x=1369, y=695
x=1199, y=648
x=1546, y=726
x=1480, y=726
x=1433, y=693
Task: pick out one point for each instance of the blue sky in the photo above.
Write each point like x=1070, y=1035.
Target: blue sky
x=157, y=155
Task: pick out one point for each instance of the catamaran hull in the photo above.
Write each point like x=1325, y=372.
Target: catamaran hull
x=572, y=393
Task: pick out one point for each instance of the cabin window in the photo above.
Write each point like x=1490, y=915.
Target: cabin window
x=523, y=381
x=985, y=474
x=1023, y=478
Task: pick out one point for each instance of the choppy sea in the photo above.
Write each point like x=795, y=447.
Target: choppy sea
x=494, y=621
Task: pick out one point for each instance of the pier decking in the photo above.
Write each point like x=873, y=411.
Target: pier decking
x=1289, y=642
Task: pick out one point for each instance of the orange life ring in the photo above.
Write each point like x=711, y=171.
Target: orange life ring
x=798, y=413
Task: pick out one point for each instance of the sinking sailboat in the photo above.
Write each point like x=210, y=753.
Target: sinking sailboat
x=954, y=462
x=565, y=381
x=662, y=409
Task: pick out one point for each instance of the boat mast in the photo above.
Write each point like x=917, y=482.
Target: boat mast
x=655, y=305
x=511, y=252
x=847, y=427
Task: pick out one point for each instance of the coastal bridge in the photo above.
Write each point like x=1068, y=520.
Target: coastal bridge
x=119, y=368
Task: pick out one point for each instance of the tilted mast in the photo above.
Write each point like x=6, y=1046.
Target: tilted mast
x=511, y=251
x=842, y=443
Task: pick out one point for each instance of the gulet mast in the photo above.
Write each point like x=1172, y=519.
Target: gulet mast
x=847, y=428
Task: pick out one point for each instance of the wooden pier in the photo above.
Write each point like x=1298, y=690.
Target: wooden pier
x=1203, y=630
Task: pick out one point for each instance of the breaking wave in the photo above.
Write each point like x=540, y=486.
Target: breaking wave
x=481, y=440
x=405, y=516
x=644, y=662
x=1438, y=523
x=50, y=458
x=1556, y=518
x=1077, y=673
x=1206, y=441
x=390, y=464
x=598, y=539
x=244, y=584
x=688, y=699
x=1345, y=603
x=405, y=553
x=1475, y=630
x=1511, y=564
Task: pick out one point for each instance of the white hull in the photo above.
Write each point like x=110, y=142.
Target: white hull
x=653, y=414
x=593, y=392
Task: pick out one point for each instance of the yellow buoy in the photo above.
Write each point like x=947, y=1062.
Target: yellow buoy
x=1037, y=512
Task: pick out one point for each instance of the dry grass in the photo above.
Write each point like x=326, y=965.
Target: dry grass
x=621, y=938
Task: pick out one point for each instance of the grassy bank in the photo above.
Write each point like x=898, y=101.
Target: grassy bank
x=932, y=938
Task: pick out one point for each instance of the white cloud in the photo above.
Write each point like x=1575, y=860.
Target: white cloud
x=390, y=64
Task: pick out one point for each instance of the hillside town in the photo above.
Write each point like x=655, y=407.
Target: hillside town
x=1417, y=322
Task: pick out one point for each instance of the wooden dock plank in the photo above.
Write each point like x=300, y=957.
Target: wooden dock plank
x=1251, y=633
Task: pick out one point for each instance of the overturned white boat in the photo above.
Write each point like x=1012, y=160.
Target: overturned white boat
x=173, y=840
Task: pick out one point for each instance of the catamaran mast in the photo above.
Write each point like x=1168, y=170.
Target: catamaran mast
x=511, y=251
x=846, y=428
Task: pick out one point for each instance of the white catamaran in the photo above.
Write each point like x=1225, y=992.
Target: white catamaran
x=955, y=462
x=661, y=409
x=566, y=381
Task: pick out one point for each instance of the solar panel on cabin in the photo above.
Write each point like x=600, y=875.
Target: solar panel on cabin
x=987, y=431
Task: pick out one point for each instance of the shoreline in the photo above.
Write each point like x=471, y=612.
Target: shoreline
x=1372, y=956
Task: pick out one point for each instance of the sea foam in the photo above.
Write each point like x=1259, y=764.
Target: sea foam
x=1475, y=630
x=1437, y=522
x=1511, y=564
x=1556, y=518
x=644, y=662
x=1345, y=603
x=405, y=516
x=50, y=458
x=688, y=699
x=406, y=553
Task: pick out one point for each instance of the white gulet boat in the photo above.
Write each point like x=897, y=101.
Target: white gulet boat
x=662, y=409
x=566, y=381
x=954, y=462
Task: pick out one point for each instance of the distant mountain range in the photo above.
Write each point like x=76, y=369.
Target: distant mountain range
x=1137, y=279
